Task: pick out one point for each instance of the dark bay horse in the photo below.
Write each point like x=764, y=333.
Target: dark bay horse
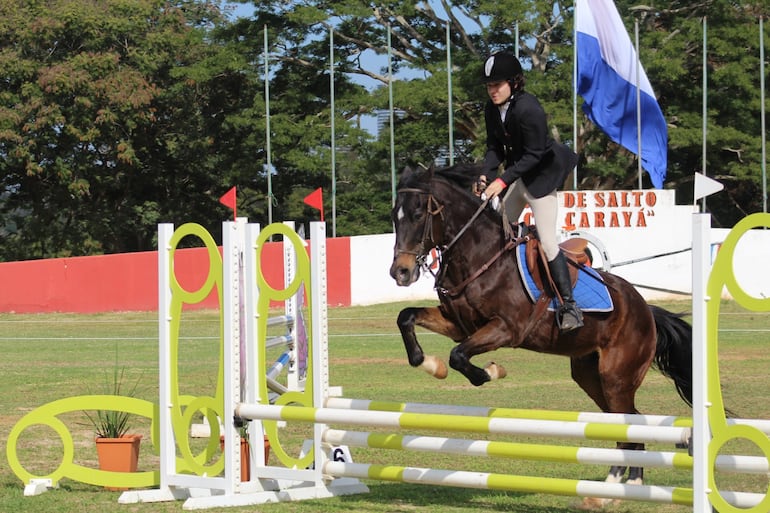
x=483, y=304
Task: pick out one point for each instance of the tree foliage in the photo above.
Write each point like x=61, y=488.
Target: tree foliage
x=671, y=35
x=119, y=114
x=107, y=122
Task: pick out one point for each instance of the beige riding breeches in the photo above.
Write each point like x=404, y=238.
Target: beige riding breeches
x=544, y=210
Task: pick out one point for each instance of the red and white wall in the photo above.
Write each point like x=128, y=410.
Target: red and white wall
x=634, y=227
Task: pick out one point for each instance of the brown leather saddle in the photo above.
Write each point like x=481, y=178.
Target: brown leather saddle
x=574, y=250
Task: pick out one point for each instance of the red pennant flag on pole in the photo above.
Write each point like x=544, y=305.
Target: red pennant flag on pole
x=228, y=199
x=315, y=200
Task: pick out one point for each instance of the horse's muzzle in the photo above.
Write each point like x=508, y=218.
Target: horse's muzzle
x=404, y=270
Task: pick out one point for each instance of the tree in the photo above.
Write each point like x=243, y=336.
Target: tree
x=106, y=122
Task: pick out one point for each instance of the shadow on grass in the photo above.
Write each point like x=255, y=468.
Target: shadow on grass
x=407, y=498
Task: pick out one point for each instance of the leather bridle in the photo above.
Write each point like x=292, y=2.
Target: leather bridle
x=433, y=209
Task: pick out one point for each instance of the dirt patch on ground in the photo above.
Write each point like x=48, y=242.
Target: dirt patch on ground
x=369, y=361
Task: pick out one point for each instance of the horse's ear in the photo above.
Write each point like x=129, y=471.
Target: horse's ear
x=428, y=170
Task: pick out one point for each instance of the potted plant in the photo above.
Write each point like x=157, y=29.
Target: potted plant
x=116, y=449
x=243, y=433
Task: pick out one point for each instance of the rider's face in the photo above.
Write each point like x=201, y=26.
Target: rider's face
x=499, y=92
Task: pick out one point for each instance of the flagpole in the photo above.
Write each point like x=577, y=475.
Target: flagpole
x=762, y=110
x=449, y=93
x=516, y=38
x=333, y=146
x=392, y=129
x=267, y=136
x=705, y=105
x=574, y=94
x=638, y=104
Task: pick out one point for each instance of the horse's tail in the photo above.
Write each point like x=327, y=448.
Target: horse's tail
x=673, y=355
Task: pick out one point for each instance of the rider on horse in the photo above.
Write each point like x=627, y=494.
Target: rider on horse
x=534, y=167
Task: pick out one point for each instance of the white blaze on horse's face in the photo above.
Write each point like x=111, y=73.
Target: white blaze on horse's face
x=404, y=268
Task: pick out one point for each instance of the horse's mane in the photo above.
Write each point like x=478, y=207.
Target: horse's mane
x=459, y=176
x=462, y=175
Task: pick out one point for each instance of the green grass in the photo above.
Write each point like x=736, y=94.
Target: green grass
x=47, y=357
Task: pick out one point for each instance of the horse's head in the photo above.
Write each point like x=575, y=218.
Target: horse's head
x=423, y=202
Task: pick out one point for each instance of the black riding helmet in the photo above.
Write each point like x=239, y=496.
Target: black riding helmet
x=500, y=66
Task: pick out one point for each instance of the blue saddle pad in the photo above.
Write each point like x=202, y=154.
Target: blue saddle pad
x=590, y=292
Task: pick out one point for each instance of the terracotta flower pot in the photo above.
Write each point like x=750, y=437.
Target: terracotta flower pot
x=118, y=454
x=246, y=455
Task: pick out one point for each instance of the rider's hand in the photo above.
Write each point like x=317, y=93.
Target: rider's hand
x=480, y=185
x=494, y=188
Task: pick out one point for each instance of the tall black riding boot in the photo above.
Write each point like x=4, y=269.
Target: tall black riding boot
x=569, y=317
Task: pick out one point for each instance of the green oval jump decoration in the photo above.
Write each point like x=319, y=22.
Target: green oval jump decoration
x=46, y=415
x=266, y=295
x=722, y=275
x=209, y=461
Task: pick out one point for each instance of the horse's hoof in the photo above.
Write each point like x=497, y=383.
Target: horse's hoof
x=495, y=371
x=435, y=367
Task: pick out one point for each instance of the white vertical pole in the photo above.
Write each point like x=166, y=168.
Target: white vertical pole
x=290, y=309
x=701, y=263
x=254, y=361
x=232, y=240
x=166, y=442
x=319, y=348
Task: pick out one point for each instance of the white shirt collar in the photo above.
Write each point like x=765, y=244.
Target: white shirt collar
x=503, y=110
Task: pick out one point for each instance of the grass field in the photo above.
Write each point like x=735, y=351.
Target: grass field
x=48, y=357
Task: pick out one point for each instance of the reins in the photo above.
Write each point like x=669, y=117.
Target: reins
x=466, y=225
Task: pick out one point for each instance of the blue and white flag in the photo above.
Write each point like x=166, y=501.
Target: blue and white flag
x=607, y=80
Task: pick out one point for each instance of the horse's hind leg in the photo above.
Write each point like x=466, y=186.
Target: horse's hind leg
x=433, y=320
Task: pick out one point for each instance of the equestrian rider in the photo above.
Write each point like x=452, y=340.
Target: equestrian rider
x=534, y=165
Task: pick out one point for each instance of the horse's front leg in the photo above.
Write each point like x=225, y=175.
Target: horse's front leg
x=489, y=337
x=433, y=320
